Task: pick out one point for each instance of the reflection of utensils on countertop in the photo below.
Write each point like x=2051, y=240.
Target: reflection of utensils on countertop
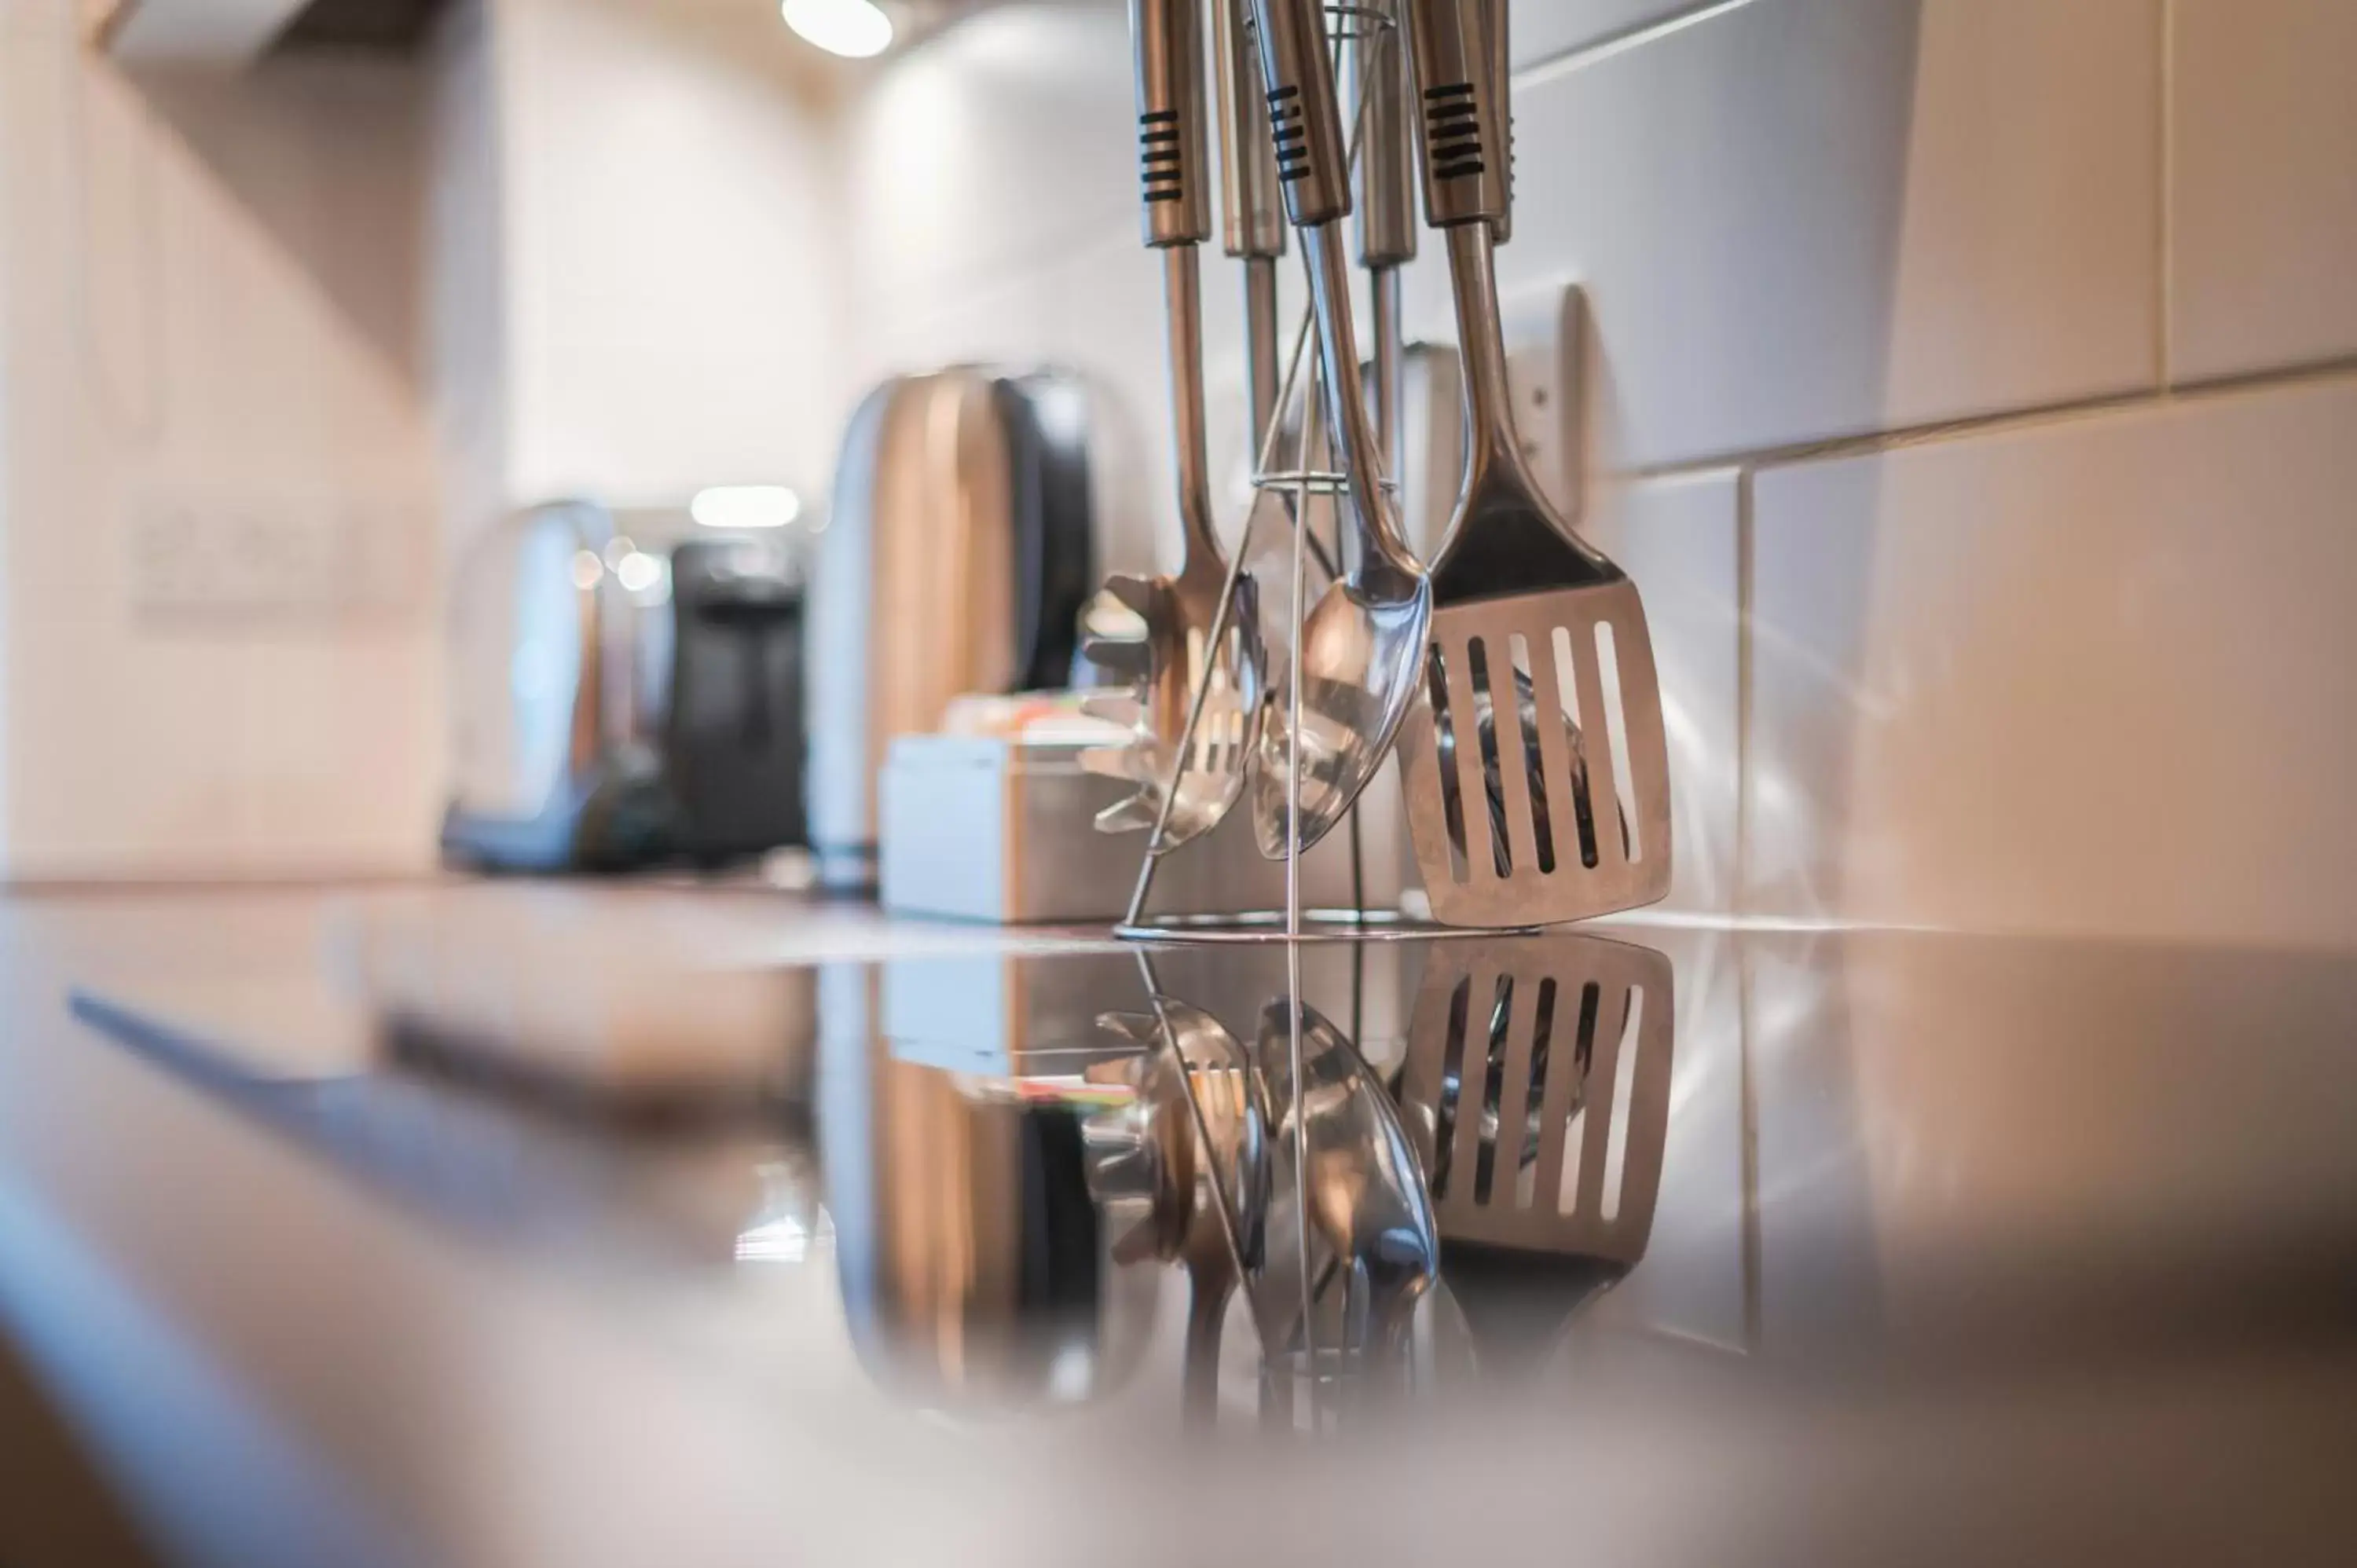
x=1358, y=1184
x=1219, y=1159
x=1525, y=613
x=979, y=1266
x=1537, y=1090
x=1200, y=625
x=1363, y=641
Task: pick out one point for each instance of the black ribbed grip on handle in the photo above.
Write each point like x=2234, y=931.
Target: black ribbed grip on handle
x=1291, y=135
x=1168, y=39
x=1161, y=160
x=1453, y=47
x=1304, y=118
x=1452, y=132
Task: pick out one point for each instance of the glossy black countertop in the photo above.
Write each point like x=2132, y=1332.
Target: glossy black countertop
x=1964, y=1249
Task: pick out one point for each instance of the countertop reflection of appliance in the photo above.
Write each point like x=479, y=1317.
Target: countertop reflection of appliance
x=621, y=705
x=960, y=549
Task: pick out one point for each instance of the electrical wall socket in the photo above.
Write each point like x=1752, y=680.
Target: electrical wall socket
x=1546, y=330
x=269, y=557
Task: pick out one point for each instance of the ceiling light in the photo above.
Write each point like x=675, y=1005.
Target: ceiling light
x=744, y=506
x=856, y=29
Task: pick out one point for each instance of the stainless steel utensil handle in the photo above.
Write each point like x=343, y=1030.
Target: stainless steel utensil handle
x=1260, y=370
x=1252, y=209
x=1388, y=381
x=1502, y=101
x=1312, y=158
x=1378, y=63
x=1490, y=418
x=1183, y=301
x=1166, y=39
x=1459, y=127
x=1382, y=544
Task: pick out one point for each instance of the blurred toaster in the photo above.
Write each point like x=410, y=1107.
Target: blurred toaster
x=617, y=708
x=960, y=549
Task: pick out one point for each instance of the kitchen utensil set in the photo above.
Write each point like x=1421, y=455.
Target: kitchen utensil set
x=1514, y=672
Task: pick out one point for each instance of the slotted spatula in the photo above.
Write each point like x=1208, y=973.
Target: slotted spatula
x=1540, y=667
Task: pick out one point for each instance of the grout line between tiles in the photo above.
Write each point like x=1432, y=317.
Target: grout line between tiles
x=2166, y=205
x=1747, y=1150
x=2236, y=383
x=1739, y=899
x=1564, y=61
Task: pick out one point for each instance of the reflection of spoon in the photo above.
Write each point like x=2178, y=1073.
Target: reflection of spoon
x=1362, y=1188
x=1226, y=1163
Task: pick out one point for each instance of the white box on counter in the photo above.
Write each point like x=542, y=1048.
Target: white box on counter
x=986, y=828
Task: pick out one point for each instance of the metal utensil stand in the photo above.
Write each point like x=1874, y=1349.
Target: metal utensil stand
x=1375, y=27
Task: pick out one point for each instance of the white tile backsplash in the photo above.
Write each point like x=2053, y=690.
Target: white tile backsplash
x=2094, y=677
x=993, y=149
x=1678, y=538
x=1804, y=219
x=2263, y=178
x=32, y=17
x=1543, y=29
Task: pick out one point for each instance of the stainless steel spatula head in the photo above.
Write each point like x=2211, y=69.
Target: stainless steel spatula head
x=1536, y=771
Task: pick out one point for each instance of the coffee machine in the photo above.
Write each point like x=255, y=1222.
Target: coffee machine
x=620, y=703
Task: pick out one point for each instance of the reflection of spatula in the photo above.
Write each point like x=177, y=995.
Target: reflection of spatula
x=1537, y=1091
x=1536, y=1087
x=1540, y=662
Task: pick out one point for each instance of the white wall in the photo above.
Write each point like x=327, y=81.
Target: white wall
x=1979, y=601
x=640, y=268
x=221, y=648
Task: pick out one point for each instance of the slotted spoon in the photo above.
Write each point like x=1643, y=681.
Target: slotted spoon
x=1197, y=632
x=1540, y=665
